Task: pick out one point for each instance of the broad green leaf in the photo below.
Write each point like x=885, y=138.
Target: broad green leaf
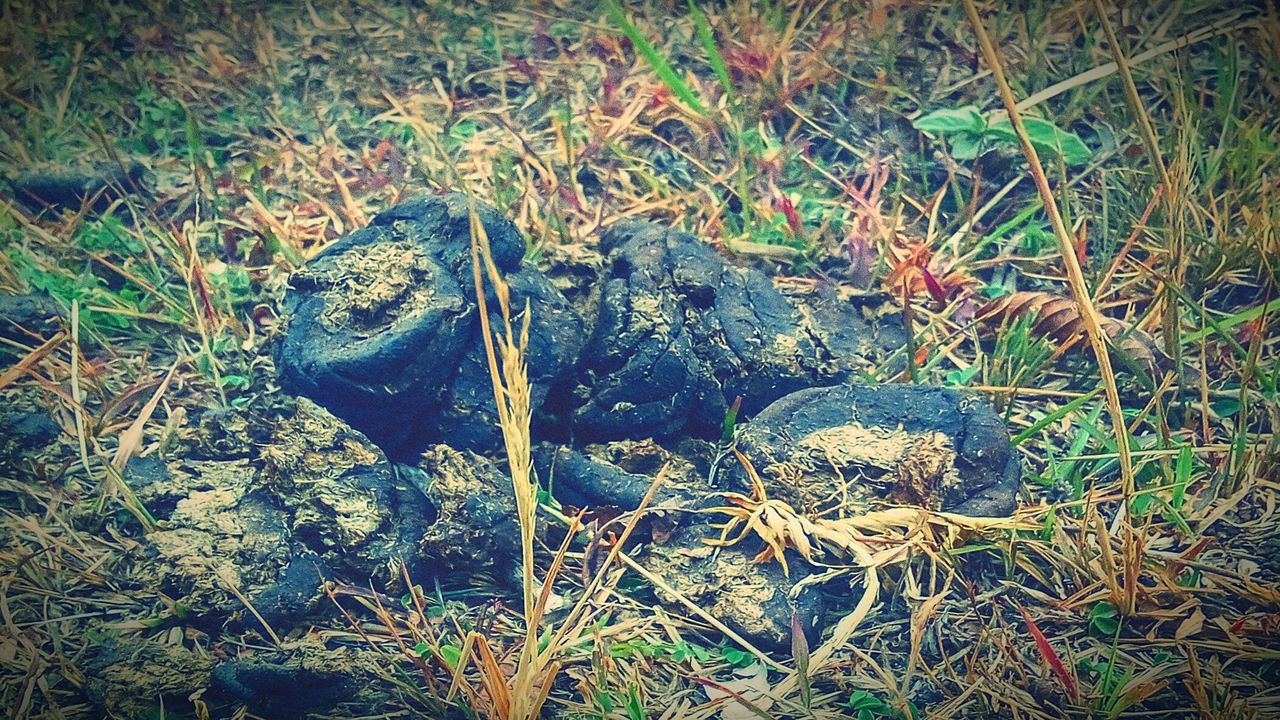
x=635, y=708
x=951, y=120
x=604, y=700
x=1047, y=138
x=1182, y=476
x=863, y=700
x=1103, y=618
x=238, y=382
x=1142, y=504
x=965, y=145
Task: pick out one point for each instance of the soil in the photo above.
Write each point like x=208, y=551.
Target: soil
x=24, y=317
x=128, y=676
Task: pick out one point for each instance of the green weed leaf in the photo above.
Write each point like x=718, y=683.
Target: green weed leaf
x=953, y=120
x=635, y=709
x=1047, y=138
x=451, y=655
x=1104, y=618
x=965, y=145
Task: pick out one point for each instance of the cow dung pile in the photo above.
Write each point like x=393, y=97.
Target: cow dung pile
x=383, y=459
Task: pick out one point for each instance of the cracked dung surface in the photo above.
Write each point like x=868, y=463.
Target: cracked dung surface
x=855, y=444
x=676, y=333
x=382, y=326
x=682, y=333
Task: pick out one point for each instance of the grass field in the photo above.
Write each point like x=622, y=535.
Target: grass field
x=864, y=144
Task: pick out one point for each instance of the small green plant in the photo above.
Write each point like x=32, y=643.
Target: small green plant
x=1104, y=619
x=730, y=422
x=633, y=647
x=737, y=658
x=1118, y=690
x=868, y=706
x=161, y=125
x=233, y=283
x=108, y=234
x=633, y=705
x=1019, y=354
x=451, y=654
x=684, y=651
x=970, y=133
x=960, y=378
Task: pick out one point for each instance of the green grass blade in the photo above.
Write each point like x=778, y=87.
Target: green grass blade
x=1055, y=416
x=659, y=64
x=1220, y=327
x=709, y=45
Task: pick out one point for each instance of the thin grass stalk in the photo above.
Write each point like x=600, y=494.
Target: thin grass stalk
x=1224, y=26
x=1139, y=110
x=1075, y=278
x=1177, y=248
x=76, y=395
x=662, y=585
x=708, y=41
x=505, y=355
x=572, y=624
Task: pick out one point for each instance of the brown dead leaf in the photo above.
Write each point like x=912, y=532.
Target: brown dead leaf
x=1058, y=318
x=1191, y=626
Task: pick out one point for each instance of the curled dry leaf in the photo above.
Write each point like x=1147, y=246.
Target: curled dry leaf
x=1059, y=319
x=869, y=540
x=745, y=697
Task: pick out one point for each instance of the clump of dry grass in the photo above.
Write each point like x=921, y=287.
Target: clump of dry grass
x=505, y=351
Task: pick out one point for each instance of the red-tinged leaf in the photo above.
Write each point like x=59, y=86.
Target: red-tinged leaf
x=202, y=291
x=1252, y=330
x=789, y=210
x=1270, y=623
x=379, y=154
x=1050, y=655
x=263, y=316
x=1238, y=625
x=1265, y=624
x=569, y=196
x=800, y=653
x=790, y=92
x=862, y=257
x=521, y=64
x=746, y=63
x=935, y=288
x=1191, y=552
x=661, y=96
x=1176, y=565
x=543, y=44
